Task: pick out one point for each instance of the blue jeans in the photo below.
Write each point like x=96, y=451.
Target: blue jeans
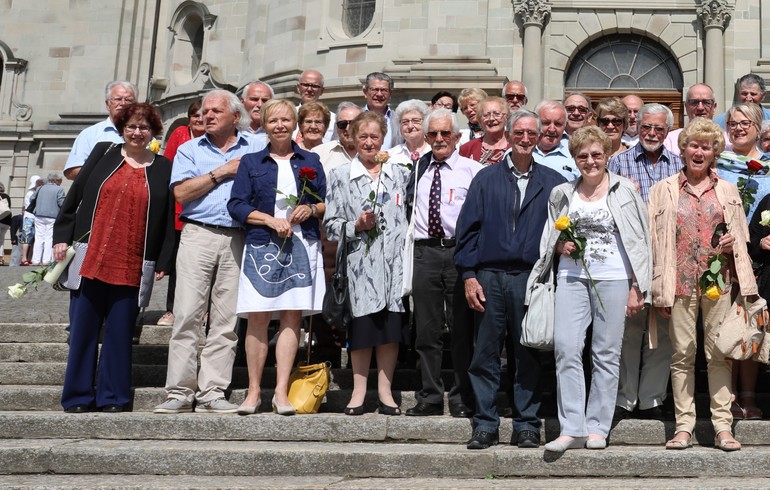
x=504, y=310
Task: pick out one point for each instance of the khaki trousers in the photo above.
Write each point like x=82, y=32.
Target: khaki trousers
x=684, y=314
x=207, y=267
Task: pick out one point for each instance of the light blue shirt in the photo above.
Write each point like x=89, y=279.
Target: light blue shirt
x=260, y=136
x=88, y=138
x=199, y=157
x=558, y=159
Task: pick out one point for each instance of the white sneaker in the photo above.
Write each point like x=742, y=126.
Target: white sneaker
x=220, y=405
x=173, y=405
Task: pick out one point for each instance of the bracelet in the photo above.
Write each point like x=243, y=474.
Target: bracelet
x=213, y=179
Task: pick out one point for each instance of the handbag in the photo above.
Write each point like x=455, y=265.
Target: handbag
x=336, y=310
x=5, y=208
x=309, y=383
x=537, y=324
x=741, y=333
x=32, y=202
x=408, y=256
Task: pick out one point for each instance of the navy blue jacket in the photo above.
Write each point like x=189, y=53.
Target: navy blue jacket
x=486, y=239
x=254, y=189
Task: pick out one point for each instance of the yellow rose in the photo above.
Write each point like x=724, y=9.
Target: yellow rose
x=765, y=221
x=713, y=292
x=154, y=146
x=562, y=223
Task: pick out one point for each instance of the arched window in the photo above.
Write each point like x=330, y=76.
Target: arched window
x=357, y=15
x=188, y=25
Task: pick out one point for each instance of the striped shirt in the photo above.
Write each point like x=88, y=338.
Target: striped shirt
x=636, y=165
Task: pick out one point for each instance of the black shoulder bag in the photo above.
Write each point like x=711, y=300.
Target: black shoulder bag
x=336, y=305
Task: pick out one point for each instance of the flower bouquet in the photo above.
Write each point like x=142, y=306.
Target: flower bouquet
x=712, y=282
x=306, y=174
x=567, y=229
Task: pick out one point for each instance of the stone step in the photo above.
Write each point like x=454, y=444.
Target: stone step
x=368, y=460
x=55, y=333
x=324, y=427
x=57, y=352
x=326, y=482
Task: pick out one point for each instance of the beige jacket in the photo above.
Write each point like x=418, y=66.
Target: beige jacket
x=662, y=207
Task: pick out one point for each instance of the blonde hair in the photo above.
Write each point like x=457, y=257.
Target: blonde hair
x=589, y=135
x=701, y=128
x=274, y=104
x=469, y=94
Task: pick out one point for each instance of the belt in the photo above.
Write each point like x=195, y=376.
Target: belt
x=437, y=242
x=206, y=225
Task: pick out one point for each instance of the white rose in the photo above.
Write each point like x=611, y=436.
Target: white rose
x=16, y=291
x=765, y=221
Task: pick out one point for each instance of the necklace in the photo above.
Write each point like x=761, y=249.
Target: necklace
x=596, y=193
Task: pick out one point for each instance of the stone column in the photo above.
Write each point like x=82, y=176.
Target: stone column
x=715, y=16
x=533, y=14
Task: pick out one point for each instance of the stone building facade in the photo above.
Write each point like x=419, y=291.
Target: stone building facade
x=56, y=56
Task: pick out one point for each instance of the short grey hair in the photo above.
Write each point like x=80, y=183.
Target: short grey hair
x=53, y=177
x=348, y=105
x=234, y=105
x=246, y=88
x=120, y=83
x=521, y=114
x=656, y=108
x=752, y=79
x=577, y=94
x=377, y=75
x=526, y=92
x=410, y=105
x=549, y=104
x=765, y=126
x=441, y=113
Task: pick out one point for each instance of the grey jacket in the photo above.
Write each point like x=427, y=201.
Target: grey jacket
x=630, y=214
x=48, y=200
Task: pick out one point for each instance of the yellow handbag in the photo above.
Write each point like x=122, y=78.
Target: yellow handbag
x=309, y=382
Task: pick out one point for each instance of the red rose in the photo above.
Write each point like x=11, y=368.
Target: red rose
x=307, y=173
x=754, y=166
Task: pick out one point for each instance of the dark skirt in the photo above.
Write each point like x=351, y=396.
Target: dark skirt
x=383, y=327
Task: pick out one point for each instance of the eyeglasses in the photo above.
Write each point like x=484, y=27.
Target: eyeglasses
x=124, y=100
x=650, y=127
x=519, y=133
x=515, y=96
x=445, y=134
x=606, y=121
x=448, y=105
x=492, y=115
x=416, y=121
x=707, y=103
x=133, y=128
x=579, y=108
x=378, y=90
x=342, y=124
x=596, y=156
x=745, y=124
x=310, y=85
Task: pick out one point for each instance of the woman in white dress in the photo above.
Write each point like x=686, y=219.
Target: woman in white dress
x=278, y=197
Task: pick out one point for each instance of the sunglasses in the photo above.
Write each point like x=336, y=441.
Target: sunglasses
x=433, y=134
x=342, y=124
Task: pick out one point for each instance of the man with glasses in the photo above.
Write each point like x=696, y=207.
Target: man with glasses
x=118, y=94
x=515, y=94
x=498, y=242
x=644, y=371
x=551, y=150
x=253, y=97
x=633, y=103
x=699, y=102
x=378, y=89
x=310, y=88
x=343, y=149
x=579, y=112
x=751, y=88
x=443, y=178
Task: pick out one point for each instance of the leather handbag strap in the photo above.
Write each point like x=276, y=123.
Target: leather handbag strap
x=309, y=339
x=342, y=252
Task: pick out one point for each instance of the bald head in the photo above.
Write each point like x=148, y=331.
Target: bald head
x=700, y=102
x=633, y=103
x=310, y=86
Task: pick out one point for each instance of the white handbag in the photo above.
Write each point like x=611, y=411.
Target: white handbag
x=5, y=208
x=537, y=324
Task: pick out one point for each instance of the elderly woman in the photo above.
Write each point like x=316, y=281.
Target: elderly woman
x=764, y=136
x=314, y=120
x=490, y=148
x=612, y=118
x=469, y=100
x=375, y=228
x=407, y=126
x=608, y=283
x=180, y=135
x=278, y=197
x=119, y=183
x=685, y=209
x=5, y=224
x=743, y=124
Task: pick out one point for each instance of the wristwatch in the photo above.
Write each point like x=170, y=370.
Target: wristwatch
x=313, y=210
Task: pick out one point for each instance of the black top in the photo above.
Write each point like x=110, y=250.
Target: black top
x=7, y=219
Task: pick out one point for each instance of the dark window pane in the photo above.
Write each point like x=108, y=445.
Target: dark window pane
x=357, y=15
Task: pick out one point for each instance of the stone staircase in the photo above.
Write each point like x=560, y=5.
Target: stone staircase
x=42, y=447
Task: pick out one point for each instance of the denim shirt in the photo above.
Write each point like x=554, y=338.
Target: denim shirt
x=254, y=189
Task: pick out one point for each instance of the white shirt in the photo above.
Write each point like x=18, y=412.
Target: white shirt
x=332, y=155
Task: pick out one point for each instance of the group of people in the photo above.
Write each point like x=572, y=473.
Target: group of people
x=605, y=201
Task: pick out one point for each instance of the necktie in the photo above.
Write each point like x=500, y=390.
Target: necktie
x=435, y=229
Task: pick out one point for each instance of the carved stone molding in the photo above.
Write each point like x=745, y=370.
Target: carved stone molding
x=714, y=13
x=533, y=12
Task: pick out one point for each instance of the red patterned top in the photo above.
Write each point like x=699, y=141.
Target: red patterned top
x=116, y=244
x=696, y=218
x=475, y=150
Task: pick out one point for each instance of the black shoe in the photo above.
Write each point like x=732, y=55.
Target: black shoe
x=655, y=413
x=423, y=409
x=620, y=414
x=482, y=440
x=359, y=410
x=388, y=410
x=112, y=408
x=459, y=410
x=527, y=439
x=80, y=408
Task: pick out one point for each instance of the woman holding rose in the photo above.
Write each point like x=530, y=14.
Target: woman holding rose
x=366, y=202
x=278, y=196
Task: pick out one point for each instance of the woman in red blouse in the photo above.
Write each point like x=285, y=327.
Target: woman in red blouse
x=120, y=211
x=490, y=148
x=180, y=135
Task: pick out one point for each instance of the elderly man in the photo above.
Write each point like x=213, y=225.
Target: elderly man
x=378, y=89
x=208, y=261
x=579, y=111
x=646, y=164
x=443, y=178
x=498, y=237
x=751, y=88
x=310, y=88
x=253, y=97
x=515, y=93
x=551, y=150
x=341, y=151
x=633, y=103
x=699, y=102
x=117, y=95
